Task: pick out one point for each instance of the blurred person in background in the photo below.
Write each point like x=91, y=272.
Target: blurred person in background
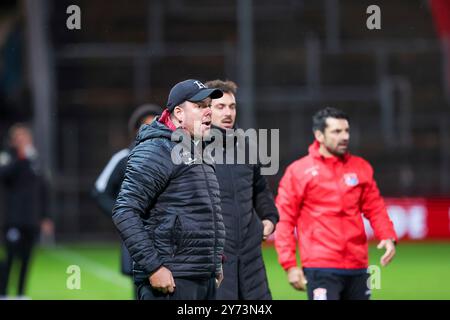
x=26, y=211
x=248, y=209
x=322, y=196
x=107, y=185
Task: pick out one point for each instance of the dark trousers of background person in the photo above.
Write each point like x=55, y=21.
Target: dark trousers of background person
x=328, y=285
x=19, y=244
x=186, y=289
x=126, y=265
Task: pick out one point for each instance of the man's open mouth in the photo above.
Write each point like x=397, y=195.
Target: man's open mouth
x=227, y=123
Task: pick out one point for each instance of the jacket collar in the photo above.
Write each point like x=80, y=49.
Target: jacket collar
x=165, y=119
x=227, y=134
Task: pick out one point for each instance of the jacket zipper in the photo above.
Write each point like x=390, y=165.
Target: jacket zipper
x=175, y=240
x=238, y=233
x=341, y=193
x=214, y=216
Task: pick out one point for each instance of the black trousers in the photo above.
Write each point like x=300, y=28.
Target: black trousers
x=186, y=289
x=126, y=262
x=126, y=265
x=326, y=285
x=19, y=245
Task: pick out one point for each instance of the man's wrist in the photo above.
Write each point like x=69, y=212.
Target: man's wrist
x=392, y=240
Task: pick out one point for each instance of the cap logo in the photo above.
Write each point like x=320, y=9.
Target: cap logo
x=200, y=85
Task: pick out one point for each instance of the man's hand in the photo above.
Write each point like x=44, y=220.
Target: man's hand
x=219, y=278
x=297, y=279
x=390, y=251
x=268, y=228
x=162, y=280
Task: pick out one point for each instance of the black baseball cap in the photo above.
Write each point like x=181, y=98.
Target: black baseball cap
x=190, y=90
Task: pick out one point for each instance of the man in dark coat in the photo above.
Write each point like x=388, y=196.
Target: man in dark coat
x=168, y=209
x=26, y=204
x=248, y=208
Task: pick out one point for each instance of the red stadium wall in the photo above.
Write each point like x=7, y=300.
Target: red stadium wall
x=441, y=14
x=416, y=218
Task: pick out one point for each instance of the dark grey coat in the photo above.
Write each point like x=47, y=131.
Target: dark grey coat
x=246, y=201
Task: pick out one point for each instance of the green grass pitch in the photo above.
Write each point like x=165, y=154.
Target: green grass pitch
x=420, y=271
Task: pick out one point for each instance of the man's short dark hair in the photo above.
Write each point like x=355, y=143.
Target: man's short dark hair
x=226, y=86
x=138, y=115
x=320, y=118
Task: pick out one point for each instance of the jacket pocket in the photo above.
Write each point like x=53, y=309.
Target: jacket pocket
x=259, y=223
x=176, y=235
x=261, y=228
x=139, y=275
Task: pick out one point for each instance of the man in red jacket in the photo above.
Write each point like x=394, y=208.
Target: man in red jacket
x=322, y=196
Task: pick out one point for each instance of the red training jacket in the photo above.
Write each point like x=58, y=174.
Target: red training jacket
x=324, y=198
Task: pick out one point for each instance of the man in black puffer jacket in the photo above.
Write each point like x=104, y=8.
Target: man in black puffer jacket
x=248, y=208
x=168, y=210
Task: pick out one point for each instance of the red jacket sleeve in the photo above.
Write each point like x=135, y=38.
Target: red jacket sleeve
x=288, y=202
x=374, y=209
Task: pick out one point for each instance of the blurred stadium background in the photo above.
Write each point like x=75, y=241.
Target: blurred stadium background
x=289, y=57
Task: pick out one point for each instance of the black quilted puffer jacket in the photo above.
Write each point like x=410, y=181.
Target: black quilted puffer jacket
x=168, y=213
